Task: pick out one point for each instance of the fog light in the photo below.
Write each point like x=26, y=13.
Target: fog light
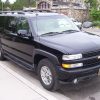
x=72, y=65
x=66, y=65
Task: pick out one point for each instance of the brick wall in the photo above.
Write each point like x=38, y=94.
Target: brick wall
x=79, y=14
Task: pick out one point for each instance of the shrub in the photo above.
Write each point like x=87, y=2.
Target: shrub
x=95, y=15
x=96, y=23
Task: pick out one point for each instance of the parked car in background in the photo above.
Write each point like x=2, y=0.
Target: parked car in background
x=87, y=24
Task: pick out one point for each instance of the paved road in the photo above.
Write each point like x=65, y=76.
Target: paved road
x=89, y=90
x=92, y=30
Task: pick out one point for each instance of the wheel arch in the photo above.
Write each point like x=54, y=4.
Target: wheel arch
x=41, y=54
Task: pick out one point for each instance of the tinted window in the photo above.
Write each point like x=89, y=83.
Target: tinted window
x=1, y=22
x=22, y=24
x=11, y=24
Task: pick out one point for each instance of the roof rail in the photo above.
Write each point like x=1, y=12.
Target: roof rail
x=36, y=10
x=24, y=11
x=12, y=12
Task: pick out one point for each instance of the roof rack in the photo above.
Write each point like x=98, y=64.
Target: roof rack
x=36, y=10
x=25, y=11
x=12, y=12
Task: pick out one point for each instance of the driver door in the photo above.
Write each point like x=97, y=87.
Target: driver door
x=24, y=44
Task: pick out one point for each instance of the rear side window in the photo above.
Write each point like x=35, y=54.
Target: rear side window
x=1, y=23
x=11, y=24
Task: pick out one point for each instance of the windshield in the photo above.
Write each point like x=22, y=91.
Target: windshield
x=53, y=24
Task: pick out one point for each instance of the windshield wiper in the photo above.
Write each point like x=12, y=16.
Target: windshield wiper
x=72, y=31
x=51, y=33
x=56, y=33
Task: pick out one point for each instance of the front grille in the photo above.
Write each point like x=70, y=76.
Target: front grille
x=92, y=61
x=91, y=54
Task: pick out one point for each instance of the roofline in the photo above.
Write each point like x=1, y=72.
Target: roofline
x=29, y=13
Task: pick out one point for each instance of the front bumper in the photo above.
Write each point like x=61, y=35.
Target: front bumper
x=66, y=75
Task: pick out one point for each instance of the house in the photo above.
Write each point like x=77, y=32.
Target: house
x=72, y=8
x=50, y=4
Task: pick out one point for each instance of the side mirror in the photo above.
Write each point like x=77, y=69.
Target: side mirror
x=23, y=33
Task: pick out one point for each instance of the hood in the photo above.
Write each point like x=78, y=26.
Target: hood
x=73, y=43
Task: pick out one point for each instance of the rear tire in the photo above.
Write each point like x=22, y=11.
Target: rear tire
x=2, y=55
x=47, y=75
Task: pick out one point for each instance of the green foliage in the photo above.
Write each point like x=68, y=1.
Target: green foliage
x=93, y=3
x=19, y=4
x=95, y=15
x=94, y=12
x=6, y=5
x=96, y=23
x=0, y=5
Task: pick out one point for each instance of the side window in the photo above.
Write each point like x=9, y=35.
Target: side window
x=1, y=23
x=11, y=24
x=23, y=24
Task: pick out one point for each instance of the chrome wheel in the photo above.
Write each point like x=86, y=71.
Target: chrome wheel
x=46, y=75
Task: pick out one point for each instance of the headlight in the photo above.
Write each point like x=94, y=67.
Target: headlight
x=72, y=57
x=72, y=65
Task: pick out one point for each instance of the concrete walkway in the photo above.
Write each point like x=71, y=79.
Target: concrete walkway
x=13, y=89
x=14, y=86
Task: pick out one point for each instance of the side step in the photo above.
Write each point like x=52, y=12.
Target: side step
x=19, y=62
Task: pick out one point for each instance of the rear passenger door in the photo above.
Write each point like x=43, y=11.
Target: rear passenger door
x=1, y=27
x=1, y=24
x=9, y=33
x=14, y=44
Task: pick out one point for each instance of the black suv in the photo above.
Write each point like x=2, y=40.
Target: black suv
x=51, y=45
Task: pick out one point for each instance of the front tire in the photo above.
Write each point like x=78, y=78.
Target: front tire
x=47, y=75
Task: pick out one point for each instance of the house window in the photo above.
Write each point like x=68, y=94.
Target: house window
x=43, y=5
x=64, y=0
x=55, y=0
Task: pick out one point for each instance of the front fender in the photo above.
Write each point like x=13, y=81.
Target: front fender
x=46, y=54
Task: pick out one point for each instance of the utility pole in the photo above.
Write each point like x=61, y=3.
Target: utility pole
x=29, y=2
x=71, y=8
x=2, y=6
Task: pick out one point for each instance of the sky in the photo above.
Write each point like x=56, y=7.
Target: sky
x=11, y=1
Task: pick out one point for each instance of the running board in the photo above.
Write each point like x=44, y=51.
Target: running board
x=19, y=62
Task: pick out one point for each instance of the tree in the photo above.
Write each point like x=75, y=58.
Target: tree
x=94, y=11
x=0, y=5
x=19, y=4
x=7, y=5
x=92, y=3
